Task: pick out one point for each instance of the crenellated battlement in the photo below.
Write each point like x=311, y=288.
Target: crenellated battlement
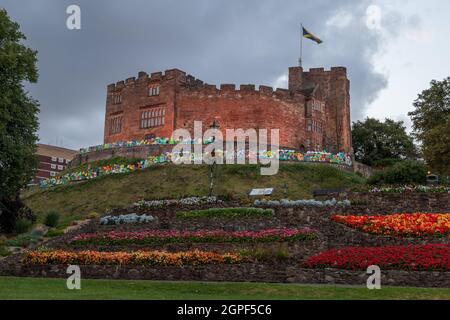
x=159, y=102
x=227, y=89
x=158, y=76
x=333, y=70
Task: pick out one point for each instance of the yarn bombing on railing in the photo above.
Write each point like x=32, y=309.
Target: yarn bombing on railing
x=139, y=143
x=284, y=155
x=315, y=156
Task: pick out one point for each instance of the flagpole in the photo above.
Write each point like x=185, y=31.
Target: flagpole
x=301, y=47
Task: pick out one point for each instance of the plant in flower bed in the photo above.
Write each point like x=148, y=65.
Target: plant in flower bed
x=201, y=236
x=225, y=213
x=302, y=203
x=418, y=188
x=153, y=258
x=403, y=224
x=185, y=201
x=126, y=218
x=429, y=257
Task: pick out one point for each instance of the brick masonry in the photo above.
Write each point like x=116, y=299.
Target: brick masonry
x=186, y=99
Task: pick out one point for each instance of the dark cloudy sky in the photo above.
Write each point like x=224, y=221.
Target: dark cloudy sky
x=387, y=47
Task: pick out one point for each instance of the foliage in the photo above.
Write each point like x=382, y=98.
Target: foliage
x=272, y=254
x=52, y=233
x=436, y=147
x=401, y=189
x=18, y=119
x=301, y=203
x=374, y=141
x=51, y=219
x=24, y=240
x=404, y=172
x=154, y=258
x=225, y=213
x=126, y=218
x=402, y=224
x=22, y=225
x=4, y=252
x=12, y=209
x=199, y=236
x=428, y=257
x=431, y=124
x=191, y=201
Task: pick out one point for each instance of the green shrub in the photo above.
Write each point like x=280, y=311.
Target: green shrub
x=24, y=240
x=51, y=219
x=225, y=213
x=22, y=225
x=54, y=233
x=4, y=252
x=405, y=172
x=267, y=254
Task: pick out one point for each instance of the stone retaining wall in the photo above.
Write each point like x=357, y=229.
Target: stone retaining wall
x=281, y=273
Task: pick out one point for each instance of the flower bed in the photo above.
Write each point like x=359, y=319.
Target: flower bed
x=403, y=224
x=201, y=236
x=420, y=189
x=126, y=218
x=430, y=257
x=225, y=213
x=154, y=258
x=185, y=201
x=301, y=203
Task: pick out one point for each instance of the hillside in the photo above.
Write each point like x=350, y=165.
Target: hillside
x=76, y=200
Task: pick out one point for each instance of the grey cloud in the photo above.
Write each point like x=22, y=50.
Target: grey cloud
x=217, y=41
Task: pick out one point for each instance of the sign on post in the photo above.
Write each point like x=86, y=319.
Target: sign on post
x=261, y=192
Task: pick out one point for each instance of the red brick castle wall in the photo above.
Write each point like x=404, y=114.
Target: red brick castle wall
x=313, y=113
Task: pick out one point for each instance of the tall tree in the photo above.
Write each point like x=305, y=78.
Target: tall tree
x=375, y=141
x=431, y=124
x=18, y=119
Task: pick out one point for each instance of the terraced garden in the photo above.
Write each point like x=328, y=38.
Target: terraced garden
x=206, y=239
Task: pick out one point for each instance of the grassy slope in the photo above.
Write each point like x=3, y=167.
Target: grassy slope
x=40, y=288
x=169, y=181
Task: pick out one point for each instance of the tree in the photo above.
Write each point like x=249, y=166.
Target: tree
x=431, y=124
x=18, y=120
x=403, y=172
x=375, y=142
x=436, y=147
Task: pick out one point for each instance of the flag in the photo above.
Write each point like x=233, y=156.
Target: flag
x=310, y=36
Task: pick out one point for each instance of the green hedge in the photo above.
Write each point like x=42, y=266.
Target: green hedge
x=404, y=172
x=225, y=213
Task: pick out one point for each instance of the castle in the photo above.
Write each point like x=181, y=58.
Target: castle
x=312, y=114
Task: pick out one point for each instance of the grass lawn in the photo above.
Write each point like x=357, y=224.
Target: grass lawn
x=44, y=288
x=76, y=200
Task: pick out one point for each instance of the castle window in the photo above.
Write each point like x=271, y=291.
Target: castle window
x=117, y=98
x=153, y=117
x=153, y=91
x=115, y=125
x=309, y=124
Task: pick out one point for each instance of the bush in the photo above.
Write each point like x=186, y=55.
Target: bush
x=225, y=213
x=22, y=225
x=4, y=252
x=54, y=233
x=51, y=219
x=405, y=172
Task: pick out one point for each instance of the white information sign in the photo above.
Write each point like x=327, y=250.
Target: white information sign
x=261, y=192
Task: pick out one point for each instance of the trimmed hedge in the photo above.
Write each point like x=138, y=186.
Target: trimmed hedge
x=225, y=213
